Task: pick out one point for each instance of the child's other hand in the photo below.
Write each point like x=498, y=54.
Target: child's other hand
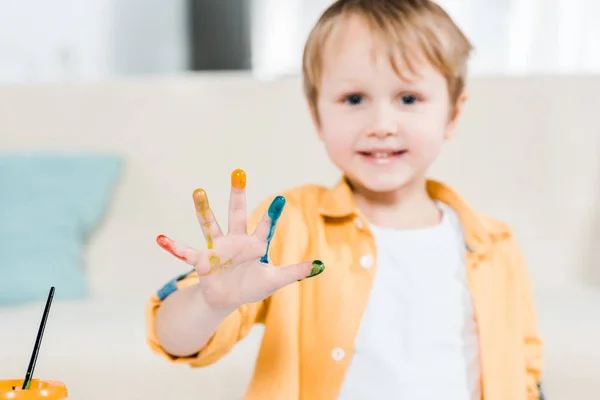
x=230, y=270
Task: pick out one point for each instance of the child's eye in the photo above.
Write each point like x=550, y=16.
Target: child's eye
x=409, y=99
x=353, y=99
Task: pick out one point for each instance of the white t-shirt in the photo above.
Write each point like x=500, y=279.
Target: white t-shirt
x=417, y=339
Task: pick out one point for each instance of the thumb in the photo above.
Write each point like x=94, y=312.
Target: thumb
x=298, y=272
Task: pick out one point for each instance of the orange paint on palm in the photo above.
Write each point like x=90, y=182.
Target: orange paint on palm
x=169, y=246
x=238, y=179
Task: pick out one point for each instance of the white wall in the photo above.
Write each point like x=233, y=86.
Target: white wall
x=148, y=36
x=49, y=40
x=91, y=40
x=510, y=36
x=73, y=40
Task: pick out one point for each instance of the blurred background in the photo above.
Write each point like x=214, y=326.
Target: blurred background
x=113, y=112
x=96, y=40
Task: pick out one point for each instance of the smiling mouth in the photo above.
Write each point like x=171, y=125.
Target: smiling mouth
x=382, y=155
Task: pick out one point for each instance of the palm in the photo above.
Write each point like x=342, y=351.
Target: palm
x=230, y=269
x=237, y=276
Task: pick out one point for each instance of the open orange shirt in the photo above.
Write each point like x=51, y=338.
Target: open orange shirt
x=307, y=321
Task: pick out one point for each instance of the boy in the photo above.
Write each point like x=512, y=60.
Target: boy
x=423, y=298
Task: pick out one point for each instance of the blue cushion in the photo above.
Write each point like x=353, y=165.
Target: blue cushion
x=49, y=207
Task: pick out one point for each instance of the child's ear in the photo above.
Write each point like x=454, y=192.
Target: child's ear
x=458, y=108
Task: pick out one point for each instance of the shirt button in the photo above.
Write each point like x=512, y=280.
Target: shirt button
x=338, y=354
x=358, y=222
x=366, y=261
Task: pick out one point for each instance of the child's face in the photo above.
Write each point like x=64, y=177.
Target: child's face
x=381, y=131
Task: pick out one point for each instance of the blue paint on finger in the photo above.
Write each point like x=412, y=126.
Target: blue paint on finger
x=275, y=211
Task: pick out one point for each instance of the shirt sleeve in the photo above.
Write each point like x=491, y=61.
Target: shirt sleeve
x=233, y=329
x=531, y=337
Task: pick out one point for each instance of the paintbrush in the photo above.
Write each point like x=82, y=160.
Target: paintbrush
x=38, y=341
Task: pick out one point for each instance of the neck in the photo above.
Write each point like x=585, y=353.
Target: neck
x=409, y=207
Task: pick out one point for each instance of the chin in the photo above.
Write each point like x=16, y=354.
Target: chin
x=382, y=183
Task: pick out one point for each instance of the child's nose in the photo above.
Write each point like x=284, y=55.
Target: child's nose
x=382, y=122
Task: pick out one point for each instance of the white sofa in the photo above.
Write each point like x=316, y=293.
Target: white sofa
x=531, y=150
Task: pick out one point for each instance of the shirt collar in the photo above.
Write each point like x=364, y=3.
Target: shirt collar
x=338, y=202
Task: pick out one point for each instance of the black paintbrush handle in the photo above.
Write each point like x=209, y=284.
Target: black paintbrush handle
x=38, y=341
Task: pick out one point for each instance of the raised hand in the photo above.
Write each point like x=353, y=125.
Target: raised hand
x=235, y=268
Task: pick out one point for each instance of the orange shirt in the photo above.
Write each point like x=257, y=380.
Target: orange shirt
x=306, y=324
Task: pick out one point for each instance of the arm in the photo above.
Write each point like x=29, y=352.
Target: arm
x=185, y=321
x=184, y=327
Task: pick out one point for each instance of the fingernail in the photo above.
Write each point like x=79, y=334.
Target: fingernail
x=200, y=200
x=164, y=242
x=168, y=245
x=317, y=268
x=238, y=179
x=276, y=208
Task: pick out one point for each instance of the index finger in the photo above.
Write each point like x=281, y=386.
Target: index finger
x=237, y=203
x=270, y=218
x=266, y=227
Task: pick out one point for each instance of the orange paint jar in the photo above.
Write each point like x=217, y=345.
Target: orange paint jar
x=38, y=390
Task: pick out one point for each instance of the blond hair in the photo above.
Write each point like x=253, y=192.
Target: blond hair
x=411, y=29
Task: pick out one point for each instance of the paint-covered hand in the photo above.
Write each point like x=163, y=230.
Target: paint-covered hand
x=235, y=268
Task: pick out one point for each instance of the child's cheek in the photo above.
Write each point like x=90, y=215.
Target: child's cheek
x=426, y=145
x=340, y=134
x=337, y=149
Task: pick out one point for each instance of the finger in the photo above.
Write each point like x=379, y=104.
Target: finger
x=284, y=276
x=266, y=227
x=270, y=219
x=204, y=262
x=206, y=218
x=184, y=253
x=237, y=203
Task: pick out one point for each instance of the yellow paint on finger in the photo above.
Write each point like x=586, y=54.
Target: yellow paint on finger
x=201, y=202
x=203, y=207
x=209, y=239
